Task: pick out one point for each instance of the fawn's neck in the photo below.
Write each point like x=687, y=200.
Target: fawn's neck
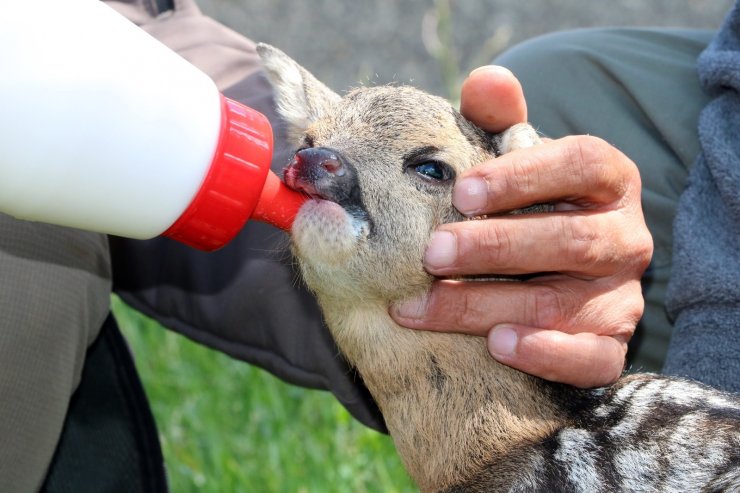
x=450, y=408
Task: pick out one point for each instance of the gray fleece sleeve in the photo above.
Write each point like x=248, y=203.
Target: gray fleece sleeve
x=704, y=291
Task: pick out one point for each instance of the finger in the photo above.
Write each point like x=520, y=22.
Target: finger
x=579, y=243
x=581, y=170
x=584, y=360
x=567, y=305
x=492, y=98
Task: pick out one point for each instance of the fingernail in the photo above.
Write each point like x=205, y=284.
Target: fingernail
x=442, y=250
x=470, y=195
x=502, y=341
x=490, y=68
x=412, y=309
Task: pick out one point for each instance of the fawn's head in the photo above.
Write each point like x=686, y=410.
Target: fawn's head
x=380, y=163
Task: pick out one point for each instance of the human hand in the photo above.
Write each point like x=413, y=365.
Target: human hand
x=573, y=324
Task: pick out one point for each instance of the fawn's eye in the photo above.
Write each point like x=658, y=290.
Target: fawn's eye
x=435, y=171
x=428, y=172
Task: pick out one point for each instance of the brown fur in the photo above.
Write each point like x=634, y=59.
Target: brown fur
x=446, y=421
x=439, y=414
x=460, y=420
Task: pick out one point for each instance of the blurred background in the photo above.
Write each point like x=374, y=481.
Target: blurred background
x=228, y=427
x=432, y=43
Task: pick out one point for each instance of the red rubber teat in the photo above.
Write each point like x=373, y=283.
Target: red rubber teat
x=278, y=204
x=239, y=184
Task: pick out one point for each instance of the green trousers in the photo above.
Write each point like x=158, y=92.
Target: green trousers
x=54, y=297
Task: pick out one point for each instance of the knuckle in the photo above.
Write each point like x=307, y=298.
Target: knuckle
x=468, y=316
x=588, y=149
x=617, y=313
x=583, y=243
x=625, y=327
x=635, y=307
x=465, y=310
x=587, y=153
x=642, y=249
x=497, y=244
x=549, y=306
x=599, y=162
x=520, y=176
x=606, y=244
x=631, y=247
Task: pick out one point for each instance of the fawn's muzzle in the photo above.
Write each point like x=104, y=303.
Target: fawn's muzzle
x=324, y=174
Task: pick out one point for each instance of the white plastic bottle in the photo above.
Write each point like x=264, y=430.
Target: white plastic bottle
x=104, y=128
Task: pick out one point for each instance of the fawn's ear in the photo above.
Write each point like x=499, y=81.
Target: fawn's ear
x=301, y=99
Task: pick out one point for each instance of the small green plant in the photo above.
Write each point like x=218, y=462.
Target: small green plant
x=437, y=33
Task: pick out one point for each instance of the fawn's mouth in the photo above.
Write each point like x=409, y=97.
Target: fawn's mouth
x=327, y=223
x=324, y=233
x=325, y=176
x=331, y=205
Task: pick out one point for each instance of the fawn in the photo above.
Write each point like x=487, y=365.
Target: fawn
x=379, y=164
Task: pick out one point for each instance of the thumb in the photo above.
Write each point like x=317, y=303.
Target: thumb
x=493, y=99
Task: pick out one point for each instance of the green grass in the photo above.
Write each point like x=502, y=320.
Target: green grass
x=226, y=426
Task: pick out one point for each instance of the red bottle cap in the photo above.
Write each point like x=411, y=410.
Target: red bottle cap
x=239, y=184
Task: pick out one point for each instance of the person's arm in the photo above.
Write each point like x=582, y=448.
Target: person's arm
x=242, y=300
x=703, y=295
x=572, y=325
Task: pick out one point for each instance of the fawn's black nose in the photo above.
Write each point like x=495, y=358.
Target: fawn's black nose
x=323, y=173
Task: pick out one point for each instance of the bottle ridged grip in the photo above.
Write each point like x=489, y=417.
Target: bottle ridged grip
x=234, y=182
